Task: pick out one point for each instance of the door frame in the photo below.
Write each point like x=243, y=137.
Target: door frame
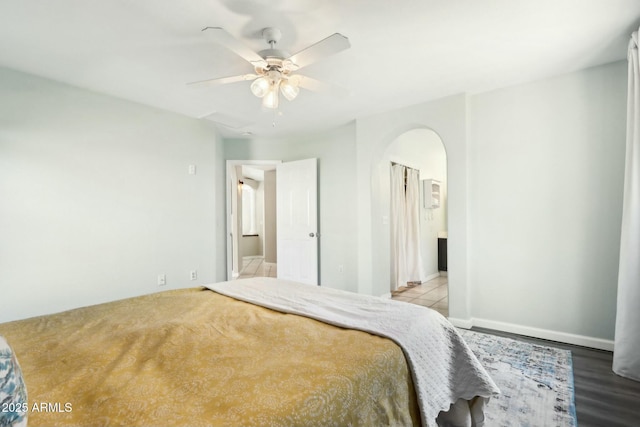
x=229, y=187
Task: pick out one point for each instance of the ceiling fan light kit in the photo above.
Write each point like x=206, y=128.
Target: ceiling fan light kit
x=274, y=67
x=260, y=87
x=266, y=87
x=289, y=90
x=270, y=100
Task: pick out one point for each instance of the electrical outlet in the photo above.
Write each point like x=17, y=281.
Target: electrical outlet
x=162, y=279
x=193, y=275
x=340, y=268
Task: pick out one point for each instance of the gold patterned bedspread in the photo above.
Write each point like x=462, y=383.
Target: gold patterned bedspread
x=193, y=357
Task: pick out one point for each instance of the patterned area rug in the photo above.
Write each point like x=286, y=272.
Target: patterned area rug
x=536, y=382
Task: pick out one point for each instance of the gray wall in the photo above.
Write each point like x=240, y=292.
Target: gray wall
x=96, y=199
x=535, y=194
x=545, y=201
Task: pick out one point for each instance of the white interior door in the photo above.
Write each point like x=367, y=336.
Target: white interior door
x=297, y=221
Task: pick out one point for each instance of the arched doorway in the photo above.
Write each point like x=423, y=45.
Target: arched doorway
x=422, y=156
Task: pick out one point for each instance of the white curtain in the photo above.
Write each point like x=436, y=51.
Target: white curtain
x=398, y=231
x=626, y=356
x=414, y=257
x=406, y=260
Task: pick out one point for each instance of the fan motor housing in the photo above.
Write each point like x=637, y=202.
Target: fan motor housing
x=274, y=54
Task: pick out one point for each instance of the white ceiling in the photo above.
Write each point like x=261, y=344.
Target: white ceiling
x=402, y=52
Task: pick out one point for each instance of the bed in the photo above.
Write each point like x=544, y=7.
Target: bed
x=252, y=352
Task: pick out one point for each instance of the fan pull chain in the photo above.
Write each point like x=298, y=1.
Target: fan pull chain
x=276, y=113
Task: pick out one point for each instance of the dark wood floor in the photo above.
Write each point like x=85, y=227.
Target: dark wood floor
x=603, y=399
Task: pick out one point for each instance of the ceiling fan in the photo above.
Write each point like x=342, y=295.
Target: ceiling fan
x=275, y=69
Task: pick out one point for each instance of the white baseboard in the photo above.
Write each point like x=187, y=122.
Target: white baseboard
x=545, y=334
x=461, y=323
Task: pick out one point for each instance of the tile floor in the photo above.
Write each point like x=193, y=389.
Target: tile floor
x=433, y=294
x=254, y=266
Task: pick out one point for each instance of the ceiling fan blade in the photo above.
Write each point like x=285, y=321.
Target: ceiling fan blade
x=331, y=45
x=221, y=36
x=318, y=86
x=223, y=80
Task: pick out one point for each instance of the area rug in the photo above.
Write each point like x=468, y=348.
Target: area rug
x=536, y=382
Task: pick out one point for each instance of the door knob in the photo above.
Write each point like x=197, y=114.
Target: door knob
x=311, y=235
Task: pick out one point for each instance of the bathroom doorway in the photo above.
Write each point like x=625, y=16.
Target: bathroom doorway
x=422, y=154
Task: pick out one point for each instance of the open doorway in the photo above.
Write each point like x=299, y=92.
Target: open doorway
x=285, y=225
x=251, y=219
x=421, y=156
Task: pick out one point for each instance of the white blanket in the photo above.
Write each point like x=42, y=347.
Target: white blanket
x=443, y=368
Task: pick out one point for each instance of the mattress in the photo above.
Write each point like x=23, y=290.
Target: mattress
x=254, y=352
x=197, y=357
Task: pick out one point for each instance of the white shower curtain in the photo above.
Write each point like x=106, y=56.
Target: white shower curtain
x=626, y=356
x=406, y=260
x=414, y=256
x=398, y=231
